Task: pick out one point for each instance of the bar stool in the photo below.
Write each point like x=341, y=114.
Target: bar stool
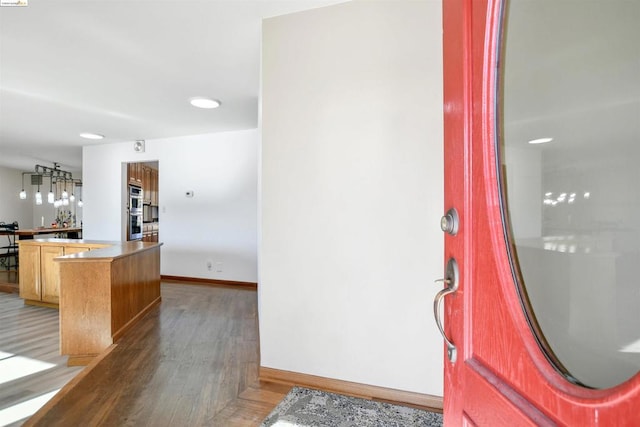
x=9, y=250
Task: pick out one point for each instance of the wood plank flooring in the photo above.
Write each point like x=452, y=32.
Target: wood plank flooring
x=9, y=281
x=193, y=360
x=28, y=338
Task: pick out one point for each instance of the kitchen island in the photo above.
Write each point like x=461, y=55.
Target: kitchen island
x=103, y=291
x=39, y=275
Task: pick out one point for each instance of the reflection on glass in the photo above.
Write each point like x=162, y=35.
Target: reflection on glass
x=572, y=76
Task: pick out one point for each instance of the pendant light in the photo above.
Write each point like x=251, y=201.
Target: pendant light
x=65, y=195
x=57, y=175
x=38, y=194
x=23, y=194
x=51, y=197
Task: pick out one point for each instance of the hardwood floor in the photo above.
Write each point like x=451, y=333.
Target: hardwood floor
x=9, y=281
x=30, y=361
x=193, y=360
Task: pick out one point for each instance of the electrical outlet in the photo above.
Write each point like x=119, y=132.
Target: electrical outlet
x=209, y=265
x=218, y=267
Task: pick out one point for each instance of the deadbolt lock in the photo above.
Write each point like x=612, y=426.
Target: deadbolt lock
x=449, y=222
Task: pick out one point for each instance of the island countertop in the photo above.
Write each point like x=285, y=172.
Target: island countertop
x=100, y=249
x=40, y=260
x=103, y=292
x=110, y=250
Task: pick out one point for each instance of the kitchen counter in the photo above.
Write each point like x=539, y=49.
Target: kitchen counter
x=110, y=251
x=29, y=233
x=102, y=288
x=39, y=278
x=103, y=293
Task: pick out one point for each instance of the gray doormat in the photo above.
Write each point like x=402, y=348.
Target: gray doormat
x=313, y=408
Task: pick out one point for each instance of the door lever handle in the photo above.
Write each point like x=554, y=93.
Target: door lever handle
x=451, y=282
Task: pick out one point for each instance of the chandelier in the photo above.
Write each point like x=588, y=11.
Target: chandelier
x=59, y=179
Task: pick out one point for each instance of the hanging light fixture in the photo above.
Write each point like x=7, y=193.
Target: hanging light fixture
x=80, y=203
x=51, y=197
x=56, y=174
x=65, y=195
x=23, y=194
x=38, y=194
x=72, y=196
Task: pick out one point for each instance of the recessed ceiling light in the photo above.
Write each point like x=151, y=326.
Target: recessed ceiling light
x=89, y=135
x=201, y=102
x=540, y=141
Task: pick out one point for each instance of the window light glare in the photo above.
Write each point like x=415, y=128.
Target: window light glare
x=540, y=141
x=202, y=102
x=89, y=135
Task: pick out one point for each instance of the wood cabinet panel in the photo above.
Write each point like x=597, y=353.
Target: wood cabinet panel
x=50, y=277
x=154, y=187
x=146, y=184
x=39, y=275
x=134, y=171
x=30, y=272
x=122, y=289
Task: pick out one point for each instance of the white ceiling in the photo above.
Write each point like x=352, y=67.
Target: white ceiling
x=126, y=69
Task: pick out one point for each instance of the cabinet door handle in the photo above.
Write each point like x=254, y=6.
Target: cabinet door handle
x=451, y=282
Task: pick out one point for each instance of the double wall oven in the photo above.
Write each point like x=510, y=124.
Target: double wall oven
x=135, y=213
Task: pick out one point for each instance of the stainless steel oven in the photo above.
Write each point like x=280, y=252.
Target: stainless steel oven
x=135, y=199
x=135, y=213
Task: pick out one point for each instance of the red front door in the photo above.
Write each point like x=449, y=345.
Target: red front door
x=500, y=376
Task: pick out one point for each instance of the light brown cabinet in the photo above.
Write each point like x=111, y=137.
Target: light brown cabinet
x=104, y=293
x=146, y=185
x=39, y=275
x=135, y=173
x=49, y=280
x=154, y=187
x=30, y=272
x=150, y=232
x=146, y=177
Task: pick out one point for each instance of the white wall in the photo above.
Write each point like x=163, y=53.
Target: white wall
x=219, y=224
x=11, y=207
x=352, y=190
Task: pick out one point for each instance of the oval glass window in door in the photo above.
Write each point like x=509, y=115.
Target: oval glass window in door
x=570, y=169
